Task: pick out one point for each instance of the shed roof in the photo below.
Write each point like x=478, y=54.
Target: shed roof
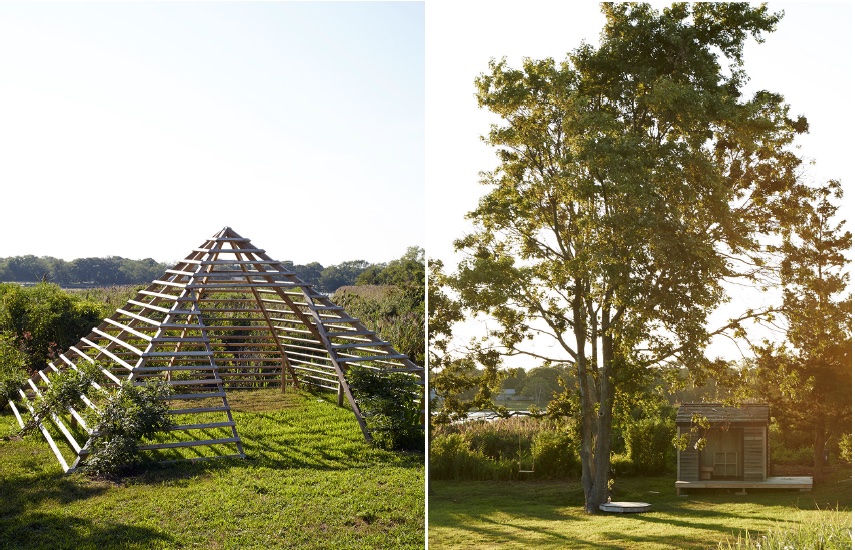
x=716, y=412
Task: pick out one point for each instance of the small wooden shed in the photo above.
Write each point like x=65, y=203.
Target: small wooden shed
x=736, y=447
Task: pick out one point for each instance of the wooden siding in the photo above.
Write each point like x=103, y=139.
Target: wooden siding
x=688, y=460
x=754, y=448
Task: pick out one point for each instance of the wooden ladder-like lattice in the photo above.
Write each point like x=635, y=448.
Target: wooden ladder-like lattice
x=226, y=317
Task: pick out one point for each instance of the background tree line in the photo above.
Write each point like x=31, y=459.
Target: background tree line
x=115, y=270
x=38, y=322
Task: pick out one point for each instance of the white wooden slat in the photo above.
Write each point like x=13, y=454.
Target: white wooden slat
x=118, y=341
x=138, y=317
x=47, y=436
x=126, y=328
x=108, y=353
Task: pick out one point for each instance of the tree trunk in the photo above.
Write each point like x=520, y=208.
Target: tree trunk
x=586, y=452
x=603, y=449
x=818, y=453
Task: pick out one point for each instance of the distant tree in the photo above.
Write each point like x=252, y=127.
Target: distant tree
x=515, y=379
x=309, y=273
x=633, y=179
x=27, y=268
x=541, y=383
x=340, y=275
x=808, y=380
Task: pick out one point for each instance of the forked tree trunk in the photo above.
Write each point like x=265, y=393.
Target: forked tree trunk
x=596, y=421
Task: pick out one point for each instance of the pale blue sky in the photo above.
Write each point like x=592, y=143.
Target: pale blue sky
x=140, y=129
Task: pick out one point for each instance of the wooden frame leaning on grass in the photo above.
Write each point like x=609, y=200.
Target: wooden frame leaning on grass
x=226, y=317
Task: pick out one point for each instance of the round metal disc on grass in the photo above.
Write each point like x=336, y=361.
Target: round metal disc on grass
x=626, y=507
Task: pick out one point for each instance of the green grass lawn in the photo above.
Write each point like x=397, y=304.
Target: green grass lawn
x=486, y=514
x=310, y=481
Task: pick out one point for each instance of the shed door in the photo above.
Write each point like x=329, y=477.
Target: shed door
x=722, y=454
x=755, y=446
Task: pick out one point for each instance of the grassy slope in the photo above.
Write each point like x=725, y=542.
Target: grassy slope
x=310, y=482
x=549, y=514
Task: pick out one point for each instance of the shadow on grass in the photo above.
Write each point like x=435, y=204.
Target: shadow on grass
x=21, y=493
x=55, y=531
x=498, y=533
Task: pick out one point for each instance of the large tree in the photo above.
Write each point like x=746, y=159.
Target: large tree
x=633, y=178
x=808, y=379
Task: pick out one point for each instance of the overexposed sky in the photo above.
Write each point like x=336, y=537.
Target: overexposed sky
x=139, y=129
x=809, y=59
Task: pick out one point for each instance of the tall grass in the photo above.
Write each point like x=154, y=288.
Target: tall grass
x=805, y=530
x=504, y=449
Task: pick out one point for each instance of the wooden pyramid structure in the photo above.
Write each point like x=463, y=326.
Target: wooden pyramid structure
x=226, y=317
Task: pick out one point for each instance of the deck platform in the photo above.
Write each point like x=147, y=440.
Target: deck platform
x=800, y=483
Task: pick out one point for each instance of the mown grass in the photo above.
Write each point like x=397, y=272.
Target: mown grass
x=488, y=514
x=310, y=481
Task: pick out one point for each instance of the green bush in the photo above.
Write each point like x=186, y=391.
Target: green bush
x=622, y=465
x=845, y=446
x=554, y=455
x=13, y=368
x=123, y=419
x=45, y=319
x=803, y=456
x=390, y=405
x=452, y=458
x=649, y=443
x=64, y=391
x=500, y=448
x=122, y=416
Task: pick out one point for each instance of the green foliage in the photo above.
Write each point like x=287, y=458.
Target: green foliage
x=122, y=417
x=397, y=315
x=64, y=391
x=649, y=443
x=13, y=368
x=90, y=271
x=555, y=455
x=122, y=420
x=45, y=320
x=499, y=449
x=343, y=274
x=391, y=404
x=845, y=447
x=808, y=381
x=405, y=272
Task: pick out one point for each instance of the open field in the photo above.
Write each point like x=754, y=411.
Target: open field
x=310, y=481
x=486, y=514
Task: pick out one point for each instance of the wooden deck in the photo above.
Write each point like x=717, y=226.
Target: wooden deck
x=800, y=483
